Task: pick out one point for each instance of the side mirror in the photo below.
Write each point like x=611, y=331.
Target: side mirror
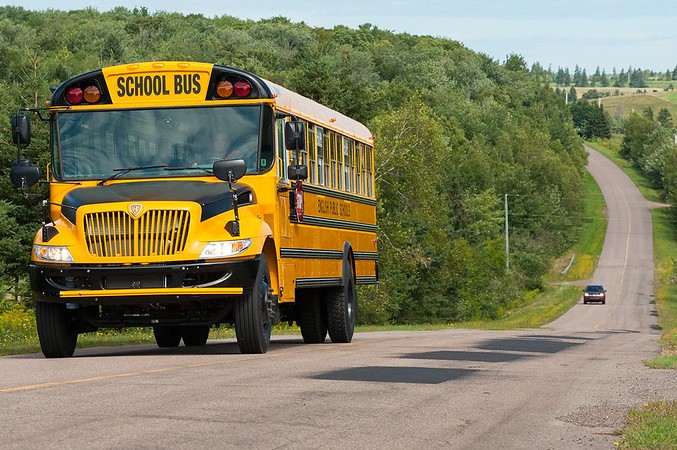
x=23, y=174
x=21, y=130
x=294, y=135
x=230, y=169
x=297, y=172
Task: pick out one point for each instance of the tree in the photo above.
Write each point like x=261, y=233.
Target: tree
x=665, y=118
x=637, y=130
x=590, y=120
x=516, y=63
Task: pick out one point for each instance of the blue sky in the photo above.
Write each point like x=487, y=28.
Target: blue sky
x=557, y=33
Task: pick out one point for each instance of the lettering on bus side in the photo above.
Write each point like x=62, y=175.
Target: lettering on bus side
x=325, y=206
x=158, y=85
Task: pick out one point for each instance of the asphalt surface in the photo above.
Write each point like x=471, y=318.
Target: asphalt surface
x=567, y=385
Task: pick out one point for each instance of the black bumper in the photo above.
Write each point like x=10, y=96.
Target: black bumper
x=47, y=281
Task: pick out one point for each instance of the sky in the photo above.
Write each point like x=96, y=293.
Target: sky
x=609, y=34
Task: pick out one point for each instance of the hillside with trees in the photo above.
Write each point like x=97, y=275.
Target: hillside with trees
x=455, y=132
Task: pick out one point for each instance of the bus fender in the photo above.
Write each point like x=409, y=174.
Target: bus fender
x=348, y=263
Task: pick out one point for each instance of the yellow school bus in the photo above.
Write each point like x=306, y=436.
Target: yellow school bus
x=186, y=195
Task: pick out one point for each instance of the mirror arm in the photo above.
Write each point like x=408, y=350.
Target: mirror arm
x=233, y=227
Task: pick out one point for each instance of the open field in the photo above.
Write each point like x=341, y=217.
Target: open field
x=635, y=100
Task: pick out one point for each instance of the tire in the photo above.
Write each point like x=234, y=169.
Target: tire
x=57, y=335
x=342, y=309
x=195, y=335
x=167, y=337
x=253, y=324
x=312, y=318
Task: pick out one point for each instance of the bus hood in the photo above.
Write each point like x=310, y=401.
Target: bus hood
x=214, y=198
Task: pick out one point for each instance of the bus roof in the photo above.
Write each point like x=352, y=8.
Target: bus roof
x=305, y=108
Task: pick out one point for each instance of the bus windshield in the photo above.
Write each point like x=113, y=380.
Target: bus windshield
x=154, y=142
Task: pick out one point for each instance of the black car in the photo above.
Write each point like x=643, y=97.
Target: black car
x=594, y=293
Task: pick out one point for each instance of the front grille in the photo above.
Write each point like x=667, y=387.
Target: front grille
x=154, y=233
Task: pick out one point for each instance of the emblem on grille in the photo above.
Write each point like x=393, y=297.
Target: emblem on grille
x=135, y=209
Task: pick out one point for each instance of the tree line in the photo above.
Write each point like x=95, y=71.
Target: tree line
x=637, y=78
x=457, y=134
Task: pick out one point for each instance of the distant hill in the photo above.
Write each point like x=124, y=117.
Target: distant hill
x=634, y=100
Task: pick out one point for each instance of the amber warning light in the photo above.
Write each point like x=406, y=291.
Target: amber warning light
x=241, y=88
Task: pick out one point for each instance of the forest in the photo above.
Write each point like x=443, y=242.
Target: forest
x=457, y=136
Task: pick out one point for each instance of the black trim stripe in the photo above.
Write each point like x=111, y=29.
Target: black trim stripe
x=366, y=280
x=310, y=254
x=369, y=256
x=332, y=223
x=338, y=194
x=307, y=253
x=330, y=282
x=317, y=282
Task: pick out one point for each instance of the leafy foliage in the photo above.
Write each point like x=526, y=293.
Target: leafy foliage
x=455, y=132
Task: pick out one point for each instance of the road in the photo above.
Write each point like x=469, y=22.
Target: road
x=566, y=385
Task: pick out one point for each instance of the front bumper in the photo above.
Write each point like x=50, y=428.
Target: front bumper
x=141, y=284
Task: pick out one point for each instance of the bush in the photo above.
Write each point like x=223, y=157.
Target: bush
x=16, y=322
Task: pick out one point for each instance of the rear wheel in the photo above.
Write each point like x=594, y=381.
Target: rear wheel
x=253, y=324
x=312, y=318
x=57, y=335
x=195, y=335
x=166, y=337
x=342, y=309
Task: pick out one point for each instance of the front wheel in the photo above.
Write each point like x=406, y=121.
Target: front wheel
x=57, y=335
x=253, y=324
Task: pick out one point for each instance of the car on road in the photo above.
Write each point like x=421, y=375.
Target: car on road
x=594, y=293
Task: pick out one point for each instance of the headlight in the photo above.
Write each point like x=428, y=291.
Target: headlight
x=52, y=254
x=224, y=249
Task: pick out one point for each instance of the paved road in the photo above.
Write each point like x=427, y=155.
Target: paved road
x=564, y=386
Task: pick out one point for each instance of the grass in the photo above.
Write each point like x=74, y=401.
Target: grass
x=586, y=252
x=652, y=427
x=631, y=101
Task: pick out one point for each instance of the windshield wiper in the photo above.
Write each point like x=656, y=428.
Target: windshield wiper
x=120, y=172
x=204, y=169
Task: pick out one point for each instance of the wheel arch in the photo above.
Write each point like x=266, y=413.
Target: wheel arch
x=270, y=250
x=348, y=260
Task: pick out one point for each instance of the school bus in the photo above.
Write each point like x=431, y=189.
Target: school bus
x=186, y=195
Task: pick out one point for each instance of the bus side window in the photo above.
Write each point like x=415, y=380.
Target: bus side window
x=320, y=155
x=359, y=157
x=312, y=160
x=326, y=146
x=348, y=168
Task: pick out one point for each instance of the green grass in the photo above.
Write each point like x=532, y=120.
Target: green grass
x=652, y=427
x=624, y=105
x=665, y=252
x=586, y=252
